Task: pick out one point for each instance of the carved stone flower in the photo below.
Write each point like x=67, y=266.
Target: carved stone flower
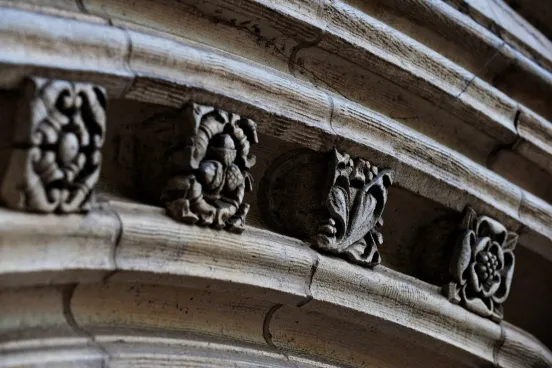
x=212, y=163
x=482, y=266
x=60, y=129
x=331, y=199
x=355, y=202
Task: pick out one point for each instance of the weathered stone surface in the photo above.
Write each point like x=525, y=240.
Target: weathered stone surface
x=452, y=103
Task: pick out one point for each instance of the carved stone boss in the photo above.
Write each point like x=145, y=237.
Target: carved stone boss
x=55, y=159
x=334, y=200
x=198, y=159
x=482, y=265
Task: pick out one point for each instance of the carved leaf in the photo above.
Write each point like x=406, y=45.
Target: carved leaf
x=507, y=274
x=338, y=203
x=462, y=255
x=511, y=241
x=355, y=202
x=361, y=217
x=477, y=305
x=469, y=219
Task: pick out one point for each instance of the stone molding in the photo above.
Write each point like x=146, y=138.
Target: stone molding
x=397, y=84
x=290, y=106
x=291, y=296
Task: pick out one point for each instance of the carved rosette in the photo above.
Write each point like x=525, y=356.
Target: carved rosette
x=55, y=160
x=482, y=266
x=336, y=204
x=355, y=201
x=214, y=166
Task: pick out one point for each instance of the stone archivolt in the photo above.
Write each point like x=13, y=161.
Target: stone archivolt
x=425, y=88
x=61, y=127
x=56, y=159
x=482, y=265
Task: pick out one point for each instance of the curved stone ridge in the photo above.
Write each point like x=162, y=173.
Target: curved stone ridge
x=226, y=291
x=294, y=109
x=332, y=84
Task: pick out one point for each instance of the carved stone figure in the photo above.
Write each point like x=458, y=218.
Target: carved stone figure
x=482, y=265
x=338, y=205
x=214, y=173
x=55, y=160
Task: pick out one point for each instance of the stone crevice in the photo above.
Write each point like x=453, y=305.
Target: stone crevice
x=494, y=154
x=127, y=60
x=267, y=335
x=106, y=206
x=309, y=297
x=67, y=293
x=481, y=70
x=81, y=6
x=498, y=346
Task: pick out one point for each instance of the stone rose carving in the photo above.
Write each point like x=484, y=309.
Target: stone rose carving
x=59, y=131
x=355, y=201
x=214, y=175
x=337, y=204
x=482, y=266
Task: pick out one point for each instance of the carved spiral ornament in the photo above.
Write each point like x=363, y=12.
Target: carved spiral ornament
x=60, y=129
